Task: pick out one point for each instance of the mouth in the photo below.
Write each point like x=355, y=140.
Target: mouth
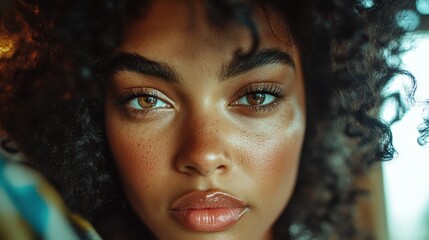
x=210, y=211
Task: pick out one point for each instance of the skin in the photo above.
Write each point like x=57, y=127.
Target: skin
x=206, y=132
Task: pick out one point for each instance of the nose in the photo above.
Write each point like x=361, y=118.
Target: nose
x=203, y=150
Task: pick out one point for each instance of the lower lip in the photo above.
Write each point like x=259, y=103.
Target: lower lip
x=209, y=219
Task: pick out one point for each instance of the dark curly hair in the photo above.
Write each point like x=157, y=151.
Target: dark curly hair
x=51, y=98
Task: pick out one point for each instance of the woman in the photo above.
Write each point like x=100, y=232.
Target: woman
x=203, y=119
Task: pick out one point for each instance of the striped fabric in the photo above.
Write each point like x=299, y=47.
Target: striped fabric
x=31, y=209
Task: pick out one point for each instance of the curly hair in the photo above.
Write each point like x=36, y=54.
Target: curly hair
x=424, y=127
x=51, y=98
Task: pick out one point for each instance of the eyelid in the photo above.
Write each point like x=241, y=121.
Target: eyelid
x=132, y=93
x=271, y=98
x=126, y=97
x=159, y=101
x=275, y=89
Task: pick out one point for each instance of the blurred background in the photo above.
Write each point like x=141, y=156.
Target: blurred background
x=406, y=177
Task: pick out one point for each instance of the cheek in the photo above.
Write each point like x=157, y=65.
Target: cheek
x=140, y=159
x=275, y=145
x=278, y=168
x=271, y=157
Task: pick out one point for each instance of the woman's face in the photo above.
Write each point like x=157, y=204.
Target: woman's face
x=207, y=143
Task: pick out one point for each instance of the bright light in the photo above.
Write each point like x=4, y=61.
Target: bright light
x=422, y=6
x=367, y=3
x=405, y=178
x=408, y=19
x=7, y=47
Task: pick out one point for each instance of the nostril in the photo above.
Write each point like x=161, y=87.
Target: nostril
x=221, y=167
x=203, y=170
x=200, y=160
x=190, y=168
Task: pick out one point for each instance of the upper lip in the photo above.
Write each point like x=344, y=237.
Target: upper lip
x=207, y=200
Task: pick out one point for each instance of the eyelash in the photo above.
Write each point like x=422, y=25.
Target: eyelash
x=271, y=89
x=263, y=88
x=126, y=98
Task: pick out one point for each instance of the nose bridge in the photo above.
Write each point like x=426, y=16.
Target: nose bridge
x=202, y=126
x=202, y=150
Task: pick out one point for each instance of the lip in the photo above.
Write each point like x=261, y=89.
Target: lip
x=209, y=211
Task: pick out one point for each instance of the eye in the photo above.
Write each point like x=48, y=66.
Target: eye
x=147, y=102
x=256, y=99
x=139, y=103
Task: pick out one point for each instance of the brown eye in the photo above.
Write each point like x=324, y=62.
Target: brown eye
x=256, y=98
x=147, y=101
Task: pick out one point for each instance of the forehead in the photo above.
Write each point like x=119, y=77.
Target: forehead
x=182, y=22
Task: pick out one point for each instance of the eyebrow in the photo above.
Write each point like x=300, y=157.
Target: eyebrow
x=136, y=63
x=242, y=64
